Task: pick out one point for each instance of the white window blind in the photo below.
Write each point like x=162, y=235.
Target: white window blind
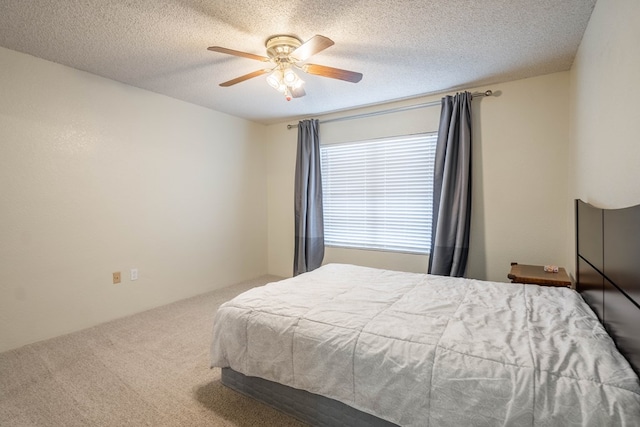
x=378, y=194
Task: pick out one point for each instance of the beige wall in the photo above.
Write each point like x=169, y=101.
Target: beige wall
x=605, y=97
x=97, y=177
x=520, y=178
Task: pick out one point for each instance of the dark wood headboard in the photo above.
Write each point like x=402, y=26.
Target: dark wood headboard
x=608, y=272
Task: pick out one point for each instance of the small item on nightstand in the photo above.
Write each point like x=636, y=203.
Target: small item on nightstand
x=551, y=268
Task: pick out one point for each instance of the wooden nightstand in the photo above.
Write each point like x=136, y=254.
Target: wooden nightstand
x=535, y=275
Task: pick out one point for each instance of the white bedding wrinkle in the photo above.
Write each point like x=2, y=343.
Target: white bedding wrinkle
x=418, y=350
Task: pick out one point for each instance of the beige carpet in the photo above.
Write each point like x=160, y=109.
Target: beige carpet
x=150, y=369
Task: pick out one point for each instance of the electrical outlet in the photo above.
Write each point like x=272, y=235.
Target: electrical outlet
x=116, y=277
x=134, y=274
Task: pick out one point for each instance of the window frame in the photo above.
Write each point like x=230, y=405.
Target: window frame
x=422, y=211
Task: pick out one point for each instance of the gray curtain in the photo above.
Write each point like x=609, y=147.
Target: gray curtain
x=452, y=188
x=309, y=222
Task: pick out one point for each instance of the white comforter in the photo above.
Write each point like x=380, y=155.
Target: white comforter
x=421, y=350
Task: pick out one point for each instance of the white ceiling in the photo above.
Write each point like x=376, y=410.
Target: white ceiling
x=404, y=48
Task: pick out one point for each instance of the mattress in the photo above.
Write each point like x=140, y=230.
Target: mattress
x=416, y=349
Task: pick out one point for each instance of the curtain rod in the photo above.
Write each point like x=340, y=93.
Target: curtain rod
x=394, y=110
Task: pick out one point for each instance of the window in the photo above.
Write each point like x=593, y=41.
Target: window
x=378, y=194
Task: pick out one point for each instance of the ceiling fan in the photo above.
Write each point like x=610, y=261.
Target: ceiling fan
x=286, y=53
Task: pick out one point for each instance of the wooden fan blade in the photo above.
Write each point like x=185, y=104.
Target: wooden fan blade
x=312, y=46
x=333, y=73
x=238, y=53
x=298, y=92
x=245, y=77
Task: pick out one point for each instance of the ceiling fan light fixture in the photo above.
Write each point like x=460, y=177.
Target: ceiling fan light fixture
x=274, y=79
x=297, y=84
x=285, y=80
x=289, y=77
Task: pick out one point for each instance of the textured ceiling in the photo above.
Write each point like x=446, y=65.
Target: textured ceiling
x=403, y=48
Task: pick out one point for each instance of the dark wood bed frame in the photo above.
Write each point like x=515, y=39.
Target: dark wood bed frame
x=608, y=272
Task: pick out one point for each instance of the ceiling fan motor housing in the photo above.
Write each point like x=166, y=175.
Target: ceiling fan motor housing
x=279, y=48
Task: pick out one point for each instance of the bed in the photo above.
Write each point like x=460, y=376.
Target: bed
x=349, y=345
